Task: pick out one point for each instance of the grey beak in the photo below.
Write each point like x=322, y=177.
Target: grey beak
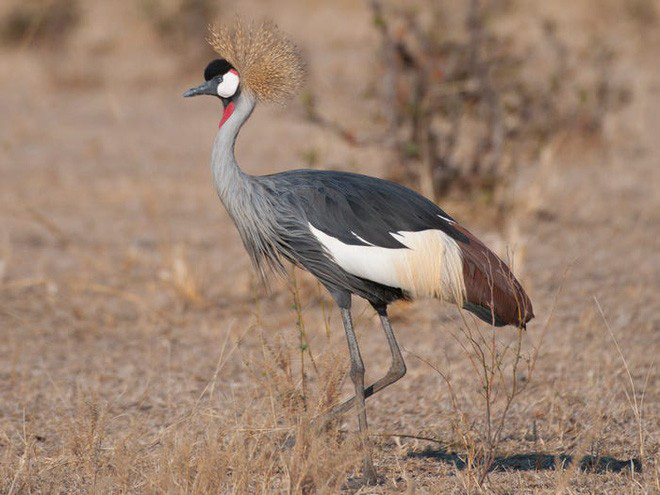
x=207, y=88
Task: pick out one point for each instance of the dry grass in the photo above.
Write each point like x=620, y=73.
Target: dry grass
x=204, y=448
x=226, y=437
x=138, y=354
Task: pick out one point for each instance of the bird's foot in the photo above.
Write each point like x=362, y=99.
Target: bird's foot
x=357, y=482
x=369, y=472
x=369, y=478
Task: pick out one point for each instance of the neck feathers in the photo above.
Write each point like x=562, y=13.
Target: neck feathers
x=248, y=204
x=227, y=175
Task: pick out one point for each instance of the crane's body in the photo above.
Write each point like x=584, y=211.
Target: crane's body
x=358, y=235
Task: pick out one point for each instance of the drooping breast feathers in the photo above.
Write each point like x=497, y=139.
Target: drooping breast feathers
x=268, y=63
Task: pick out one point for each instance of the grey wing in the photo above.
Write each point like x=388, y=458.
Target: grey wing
x=362, y=210
x=304, y=197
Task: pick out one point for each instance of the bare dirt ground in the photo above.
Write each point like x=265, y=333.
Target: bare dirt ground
x=139, y=355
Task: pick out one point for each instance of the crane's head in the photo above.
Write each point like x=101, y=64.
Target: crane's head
x=222, y=80
x=256, y=59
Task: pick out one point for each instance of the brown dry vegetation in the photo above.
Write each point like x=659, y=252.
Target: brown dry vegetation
x=139, y=355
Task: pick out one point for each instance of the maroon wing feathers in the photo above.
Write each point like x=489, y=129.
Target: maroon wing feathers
x=490, y=285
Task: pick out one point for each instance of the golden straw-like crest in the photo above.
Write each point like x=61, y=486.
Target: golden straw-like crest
x=268, y=63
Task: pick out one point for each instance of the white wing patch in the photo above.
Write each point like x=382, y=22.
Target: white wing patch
x=448, y=220
x=431, y=265
x=361, y=239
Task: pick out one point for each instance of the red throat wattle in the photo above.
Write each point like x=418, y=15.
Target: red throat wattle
x=228, y=111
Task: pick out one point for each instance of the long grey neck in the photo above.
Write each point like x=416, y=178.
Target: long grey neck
x=249, y=206
x=229, y=179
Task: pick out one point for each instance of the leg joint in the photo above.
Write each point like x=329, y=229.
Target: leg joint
x=380, y=308
x=397, y=370
x=357, y=371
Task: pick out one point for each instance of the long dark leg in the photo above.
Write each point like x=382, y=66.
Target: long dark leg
x=357, y=376
x=397, y=370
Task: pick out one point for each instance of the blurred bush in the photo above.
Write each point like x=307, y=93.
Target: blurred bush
x=181, y=23
x=40, y=22
x=469, y=101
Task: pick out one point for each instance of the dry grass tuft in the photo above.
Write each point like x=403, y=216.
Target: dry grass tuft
x=179, y=275
x=503, y=370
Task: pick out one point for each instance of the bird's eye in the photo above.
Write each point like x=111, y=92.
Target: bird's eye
x=229, y=84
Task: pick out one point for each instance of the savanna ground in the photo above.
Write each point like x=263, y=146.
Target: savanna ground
x=138, y=354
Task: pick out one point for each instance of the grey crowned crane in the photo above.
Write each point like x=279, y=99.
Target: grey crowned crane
x=356, y=234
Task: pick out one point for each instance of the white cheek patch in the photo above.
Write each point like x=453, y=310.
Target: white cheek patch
x=229, y=84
